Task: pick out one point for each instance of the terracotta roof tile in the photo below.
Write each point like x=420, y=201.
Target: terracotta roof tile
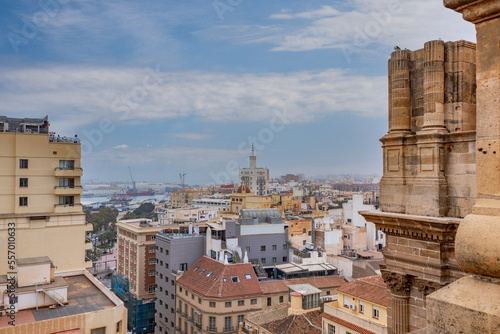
x=214, y=279
x=346, y=324
x=306, y=323
x=370, y=288
x=320, y=282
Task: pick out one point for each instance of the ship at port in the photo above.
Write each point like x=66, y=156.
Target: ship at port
x=135, y=192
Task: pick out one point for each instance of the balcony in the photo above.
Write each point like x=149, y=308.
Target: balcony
x=228, y=329
x=65, y=208
x=212, y=329
x=64, y=191
x=179, y=311
x=68, y=172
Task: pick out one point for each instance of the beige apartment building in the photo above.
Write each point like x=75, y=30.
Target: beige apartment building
x=137, y=255
x=43, y=226
x=40, y=192
x=213, y=297
x=184, y=197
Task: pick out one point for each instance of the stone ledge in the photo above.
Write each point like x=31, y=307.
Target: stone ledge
x=467, y=305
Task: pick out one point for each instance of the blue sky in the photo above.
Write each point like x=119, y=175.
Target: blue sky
x=184, y=86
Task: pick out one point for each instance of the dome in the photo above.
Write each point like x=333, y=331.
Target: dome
x=243, y=189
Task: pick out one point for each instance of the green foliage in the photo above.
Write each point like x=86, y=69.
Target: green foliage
x=104, y=219
x=147, y=208
x=129, y=215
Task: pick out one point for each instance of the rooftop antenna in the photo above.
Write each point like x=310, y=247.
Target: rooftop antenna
x=181, y=177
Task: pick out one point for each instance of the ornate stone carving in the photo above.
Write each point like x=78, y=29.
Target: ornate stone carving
x=397, y=283
x=427, y=287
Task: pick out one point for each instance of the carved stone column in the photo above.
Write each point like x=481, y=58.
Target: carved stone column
x=399, y=92
x=400, y=287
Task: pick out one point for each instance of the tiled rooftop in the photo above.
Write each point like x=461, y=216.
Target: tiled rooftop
x=212, y=278
x=306, y=323
x=370, y=288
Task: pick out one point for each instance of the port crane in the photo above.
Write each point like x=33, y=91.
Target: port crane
x=133, y=182
x=181, y=177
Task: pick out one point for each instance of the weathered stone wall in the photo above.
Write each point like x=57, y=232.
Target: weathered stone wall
x=429, y=152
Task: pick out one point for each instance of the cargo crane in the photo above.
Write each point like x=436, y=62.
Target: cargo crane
x=134, y=191
x=181, y=177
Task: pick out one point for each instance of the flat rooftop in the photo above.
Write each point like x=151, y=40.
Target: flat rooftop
x=83, y=297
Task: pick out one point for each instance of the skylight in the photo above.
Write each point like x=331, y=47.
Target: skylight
x=209, y=273
x=202, y=271
x=224, y=279
x=215, y=278
x=248, y=276
x=196, y=268
x=235, y=279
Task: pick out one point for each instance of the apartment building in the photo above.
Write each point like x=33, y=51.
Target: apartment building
x=42, y=224
x=214, y=297
x=184, y=197
x=175, y=253
x=135, y=281
x=360, y=308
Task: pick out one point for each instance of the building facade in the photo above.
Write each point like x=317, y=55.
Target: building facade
x=176, y=253
x=135, y=281
x=255, y=178
x=360, y=308
x=429, y=174
x=43, y=226
x=184, y=197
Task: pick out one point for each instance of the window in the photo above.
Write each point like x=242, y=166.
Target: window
x=269, y=302
x=228, y=323
x=152, y=249
x=228, y=304
x=212, y=304
x=23, y=163
x=310, y=301
x=274, y=259
x=152, y=288
x=241, y=318
x=152, y=272
x=199, y=300
x=119, y=326
x=153, y=260
x=375, y=312
x=285, y=258
x=67, y=164
x=304, y=230
x=303, y=242
x=183, y=266
x=235, y=279
x=100, y=330
x=281, y=299
x=309, y=233
x=253, y=301
x=166, y=251
x=23, y=182
x=67, y=182
x=262, y=248
x=361, y=307
x=285, y=246
x=331, y=329
x=241, y=302
x=211, y=324
x=274, y=247
x=247, y=248
x=346, y=301
x=66, y=200
x=23, y=201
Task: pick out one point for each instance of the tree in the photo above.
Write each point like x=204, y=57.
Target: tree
x=129, y=215
x=144, y=208
x=103, y=219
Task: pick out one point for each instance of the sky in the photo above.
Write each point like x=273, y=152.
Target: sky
x=167, y=87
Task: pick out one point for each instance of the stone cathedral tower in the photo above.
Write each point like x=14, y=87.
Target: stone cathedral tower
x=429, y=173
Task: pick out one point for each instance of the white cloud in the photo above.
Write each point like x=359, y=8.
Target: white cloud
x=191, y=135
x=325, y=11
x=364, y=26
x=75, y=97
x=121, y=147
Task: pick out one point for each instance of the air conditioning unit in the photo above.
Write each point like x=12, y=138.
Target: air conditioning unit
x=353, y=307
